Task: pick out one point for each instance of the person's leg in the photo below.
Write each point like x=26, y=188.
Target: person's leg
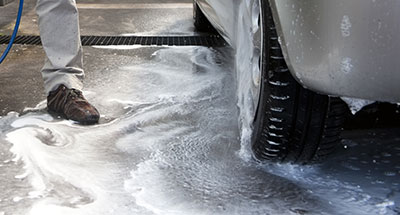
x=59, y=32
x=63, y=71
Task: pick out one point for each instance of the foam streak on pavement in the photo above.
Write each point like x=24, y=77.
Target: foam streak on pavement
x=137, y=6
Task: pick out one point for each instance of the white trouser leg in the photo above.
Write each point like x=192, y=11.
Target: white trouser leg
x=59, y=32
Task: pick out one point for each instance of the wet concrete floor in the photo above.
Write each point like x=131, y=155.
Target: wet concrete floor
x=168, y=140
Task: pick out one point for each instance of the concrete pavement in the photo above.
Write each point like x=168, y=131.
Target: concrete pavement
x=168, y=141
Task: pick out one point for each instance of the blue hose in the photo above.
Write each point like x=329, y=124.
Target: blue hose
x=14, y=35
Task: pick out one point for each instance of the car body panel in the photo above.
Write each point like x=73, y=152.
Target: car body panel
x=342, y=47
x=221, y=16
x=335, y=47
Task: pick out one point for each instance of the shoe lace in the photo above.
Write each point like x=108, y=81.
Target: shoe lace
x=59, y=101
x=73, y=94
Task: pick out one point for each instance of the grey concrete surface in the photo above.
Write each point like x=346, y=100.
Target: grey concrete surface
x=168, y=139
x=21, y=83
x=4, y=2
x=170, y=17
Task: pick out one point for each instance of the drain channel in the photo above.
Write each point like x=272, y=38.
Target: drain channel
x=209, y=40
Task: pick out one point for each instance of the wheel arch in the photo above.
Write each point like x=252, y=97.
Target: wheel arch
x=220, y=14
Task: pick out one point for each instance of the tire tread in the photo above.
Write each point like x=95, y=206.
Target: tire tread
x=309, y=124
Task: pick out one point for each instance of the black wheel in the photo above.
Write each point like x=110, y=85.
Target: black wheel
x=291, y=123
x=201, y=22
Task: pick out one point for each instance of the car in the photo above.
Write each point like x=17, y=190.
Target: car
x=296, y=61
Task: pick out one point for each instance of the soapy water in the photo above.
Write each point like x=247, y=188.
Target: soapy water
x=168, y=142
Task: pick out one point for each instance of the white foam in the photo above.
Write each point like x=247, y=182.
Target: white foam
x=170, y=151
x=345, y=26
x=70, y=167
x=119, y=47
x=356, y=105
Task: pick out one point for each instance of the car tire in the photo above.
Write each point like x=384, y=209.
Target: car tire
x=201, y=22
x=292, y=124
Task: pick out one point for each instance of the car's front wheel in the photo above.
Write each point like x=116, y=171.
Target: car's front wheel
x=291, y=123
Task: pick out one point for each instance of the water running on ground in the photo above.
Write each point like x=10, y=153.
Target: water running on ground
x=168, y=143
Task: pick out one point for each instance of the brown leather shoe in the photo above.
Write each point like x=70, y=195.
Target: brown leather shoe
x=70, y=104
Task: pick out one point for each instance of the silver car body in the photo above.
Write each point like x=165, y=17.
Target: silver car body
x=337, y=47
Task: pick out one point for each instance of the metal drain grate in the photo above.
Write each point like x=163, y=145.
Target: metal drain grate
x=209, y=40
